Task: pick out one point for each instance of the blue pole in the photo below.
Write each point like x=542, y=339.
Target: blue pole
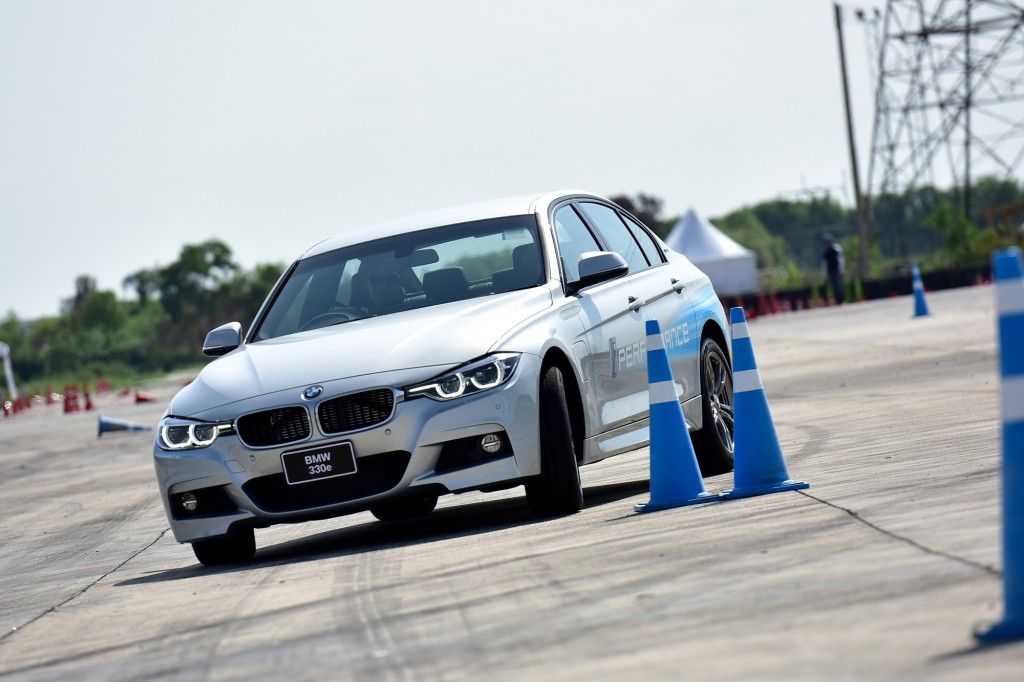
x=1010, y=309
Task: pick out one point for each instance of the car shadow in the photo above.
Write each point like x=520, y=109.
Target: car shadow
x=443, y=524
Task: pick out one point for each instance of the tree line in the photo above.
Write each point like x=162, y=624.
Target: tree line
x=159, y=328
x=924, y=225
x=161, y=325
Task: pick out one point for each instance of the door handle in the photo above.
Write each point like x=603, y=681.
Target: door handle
x=678, y=286
x=636, y=304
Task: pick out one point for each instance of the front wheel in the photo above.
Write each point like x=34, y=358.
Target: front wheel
x=229, y=549
x=713, y=444
x=557, y=490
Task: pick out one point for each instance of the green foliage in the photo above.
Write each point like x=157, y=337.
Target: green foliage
x=963, y=243
x=648, y=210
x=746, y=228
x=801, y=224
x=990, y=191
x=791, y=277
x=99, y=336
x=879, y=265
x=185, y=285
x=162, y=327
x=902, y=228
x=858, y=290
x=240, y=296
x=101, y=311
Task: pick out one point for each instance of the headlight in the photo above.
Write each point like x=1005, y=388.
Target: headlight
x=184, y=434
x=479, y=376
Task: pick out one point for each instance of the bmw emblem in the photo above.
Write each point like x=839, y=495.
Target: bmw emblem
x=312, y=392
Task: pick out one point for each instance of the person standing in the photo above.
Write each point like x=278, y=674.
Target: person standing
x=835, y=266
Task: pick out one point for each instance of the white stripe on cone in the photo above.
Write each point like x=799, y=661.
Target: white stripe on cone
x=663, y=392
x=746, y=380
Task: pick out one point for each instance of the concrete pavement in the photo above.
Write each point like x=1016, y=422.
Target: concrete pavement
x=879, y=571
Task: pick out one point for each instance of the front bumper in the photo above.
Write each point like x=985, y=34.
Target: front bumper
x=426, y=444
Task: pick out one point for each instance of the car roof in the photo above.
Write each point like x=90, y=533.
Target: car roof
x=523, y=204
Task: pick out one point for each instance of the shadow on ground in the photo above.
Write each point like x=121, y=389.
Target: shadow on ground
x=440, y=525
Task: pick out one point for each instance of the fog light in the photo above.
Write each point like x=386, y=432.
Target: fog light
x=189, y=502
x=491, y=444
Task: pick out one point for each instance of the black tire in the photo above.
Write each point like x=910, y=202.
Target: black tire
x=557, y=490
x=230, y=549
x=713, y=443
x=406, y=508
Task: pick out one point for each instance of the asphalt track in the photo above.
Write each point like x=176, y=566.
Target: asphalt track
x=879, y=571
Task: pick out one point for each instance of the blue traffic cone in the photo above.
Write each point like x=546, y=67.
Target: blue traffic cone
x=112, y=424
x=1006, y=267
x=675, y=475
x=920, y=304
x=759, y=467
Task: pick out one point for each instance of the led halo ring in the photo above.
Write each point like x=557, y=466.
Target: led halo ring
x=180, y=435
x=475, y=377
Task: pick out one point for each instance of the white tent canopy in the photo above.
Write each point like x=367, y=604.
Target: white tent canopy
x=731, y=266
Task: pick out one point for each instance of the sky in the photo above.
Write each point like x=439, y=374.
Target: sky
x=129, y=129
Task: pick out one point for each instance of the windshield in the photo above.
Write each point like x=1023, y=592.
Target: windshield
x=408, y=271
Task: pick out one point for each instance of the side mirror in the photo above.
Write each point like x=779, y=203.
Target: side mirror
x=223, y=340
x=598, y=266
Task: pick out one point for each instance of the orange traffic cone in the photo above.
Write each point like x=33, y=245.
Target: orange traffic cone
x=70, y=399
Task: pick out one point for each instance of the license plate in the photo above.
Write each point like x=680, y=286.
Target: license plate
x=316, y=464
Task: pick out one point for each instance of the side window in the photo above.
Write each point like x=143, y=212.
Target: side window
x=574, y=239
x=617, y=235
x=650, y=249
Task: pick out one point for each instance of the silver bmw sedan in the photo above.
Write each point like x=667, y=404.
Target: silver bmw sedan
x=481, y=347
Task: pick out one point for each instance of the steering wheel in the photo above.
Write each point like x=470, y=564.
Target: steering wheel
x=331, y=317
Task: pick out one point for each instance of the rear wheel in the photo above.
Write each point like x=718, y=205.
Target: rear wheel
x=557, y=490
x=405, y=508
x=229, y=549
x=713, y=444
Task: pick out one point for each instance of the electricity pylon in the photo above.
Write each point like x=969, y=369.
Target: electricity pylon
x=949, y=95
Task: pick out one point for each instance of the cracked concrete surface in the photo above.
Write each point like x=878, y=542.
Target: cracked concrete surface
x=879, y=571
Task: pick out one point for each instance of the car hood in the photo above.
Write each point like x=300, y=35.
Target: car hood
x=402, y=347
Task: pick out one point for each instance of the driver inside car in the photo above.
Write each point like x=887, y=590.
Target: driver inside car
x=385, y=291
